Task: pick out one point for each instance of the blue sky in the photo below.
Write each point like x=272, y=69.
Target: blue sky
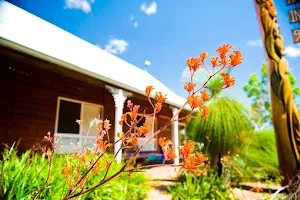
x=167, y=32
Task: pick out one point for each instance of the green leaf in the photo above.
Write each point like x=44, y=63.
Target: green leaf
x=246, y=88
x=267, y=105
x=296, y=91
x=253, y=79
x=291, y=78
x=264, y=70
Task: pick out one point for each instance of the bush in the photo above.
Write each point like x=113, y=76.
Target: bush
x=23, y=175
x=258, y=160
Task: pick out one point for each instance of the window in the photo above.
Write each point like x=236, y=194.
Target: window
x=67, y=114
x=152, y=145
x=68, y=111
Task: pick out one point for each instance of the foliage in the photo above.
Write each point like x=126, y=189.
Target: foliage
x=227, y=119
x=257, y=91
x=201, y=187
x=258, y=160
x=26, y=173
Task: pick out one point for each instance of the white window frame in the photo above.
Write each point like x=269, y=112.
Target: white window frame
x=144, y=139
x=81, y=135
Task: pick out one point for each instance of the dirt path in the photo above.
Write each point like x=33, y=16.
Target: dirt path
x=162, y=173
x=161, y=178
x=159, y=190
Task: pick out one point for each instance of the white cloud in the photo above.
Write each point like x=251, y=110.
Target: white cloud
x=185, y=75
x=131, y=18
x=149, y=10
x=292, y=52
x=147, y=63
x=255, y=43
x=200, y=76
x=116, y=46
x=136, y=24
x=84, y=5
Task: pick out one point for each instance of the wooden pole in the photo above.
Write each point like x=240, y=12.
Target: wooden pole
x=284, y=112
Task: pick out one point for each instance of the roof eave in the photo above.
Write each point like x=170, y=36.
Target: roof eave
x=20, y=48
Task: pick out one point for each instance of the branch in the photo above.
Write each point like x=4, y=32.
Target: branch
x=204, y=84
x=48, y=176
x=278, y=191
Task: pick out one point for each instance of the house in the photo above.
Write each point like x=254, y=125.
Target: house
x=50, y=78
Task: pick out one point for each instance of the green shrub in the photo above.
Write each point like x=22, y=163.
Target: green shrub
x=23, y=175
x=227, y=119
x=259, y=160
x=208, y=186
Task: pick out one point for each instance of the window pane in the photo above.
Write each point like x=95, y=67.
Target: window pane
x=152, y=145
x=67, y=146
x=141, y=123
x=68, y=113
x=90, y=117
x=149, y=120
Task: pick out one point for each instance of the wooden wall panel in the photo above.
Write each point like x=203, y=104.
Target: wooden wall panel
x=28, y=100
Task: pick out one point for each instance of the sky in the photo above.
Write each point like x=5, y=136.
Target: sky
x=167, y=32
